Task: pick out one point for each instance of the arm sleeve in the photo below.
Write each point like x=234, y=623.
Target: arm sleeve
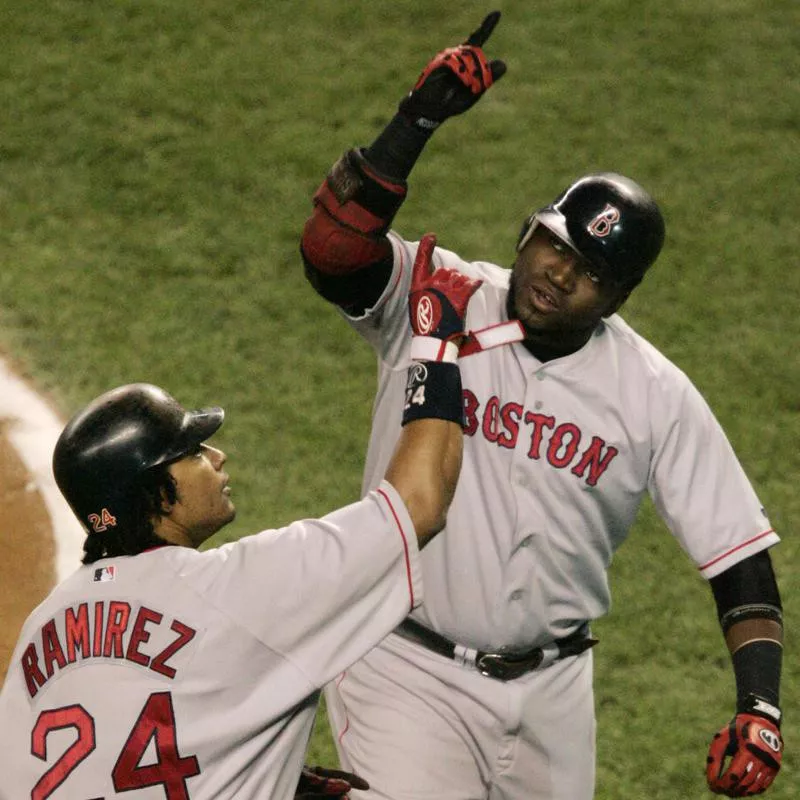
x=324, y=592
x=353, y=292
x=698, y=485
x=750, y=582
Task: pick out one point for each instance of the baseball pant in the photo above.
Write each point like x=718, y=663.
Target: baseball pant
x=419, y=726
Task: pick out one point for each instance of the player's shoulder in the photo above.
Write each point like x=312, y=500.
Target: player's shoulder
x=643, y=355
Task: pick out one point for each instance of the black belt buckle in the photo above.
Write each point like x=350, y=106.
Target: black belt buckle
x=507, y=667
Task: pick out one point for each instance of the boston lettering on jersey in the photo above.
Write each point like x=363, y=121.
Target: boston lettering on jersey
x=104, y=629
x=563, y=444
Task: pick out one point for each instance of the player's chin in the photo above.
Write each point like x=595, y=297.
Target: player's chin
x=534, y=321
x=224, y=514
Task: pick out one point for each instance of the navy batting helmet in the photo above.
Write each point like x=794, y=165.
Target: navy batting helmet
x=105, y=447
x=609, y=220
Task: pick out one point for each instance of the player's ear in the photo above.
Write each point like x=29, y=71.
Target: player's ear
x=167, y=495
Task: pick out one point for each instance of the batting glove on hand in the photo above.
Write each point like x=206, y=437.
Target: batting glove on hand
x=318, y=782
x=754, y=746
x=437, y=306
x=454, y=80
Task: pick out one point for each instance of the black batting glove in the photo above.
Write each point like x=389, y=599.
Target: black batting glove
x=454, y=80
x=321, y=783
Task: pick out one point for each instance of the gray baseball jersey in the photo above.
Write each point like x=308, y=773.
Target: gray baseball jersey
x=184, y=674
x=557, y=459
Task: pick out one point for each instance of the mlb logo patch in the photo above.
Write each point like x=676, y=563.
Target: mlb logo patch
x=105, y=574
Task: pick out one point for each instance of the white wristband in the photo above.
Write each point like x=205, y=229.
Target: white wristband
x=428, y=348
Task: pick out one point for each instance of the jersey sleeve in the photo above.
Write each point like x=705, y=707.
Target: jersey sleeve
x=698, y=485
x=324, y=592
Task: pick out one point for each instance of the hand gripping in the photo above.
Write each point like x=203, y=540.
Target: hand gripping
x=437, y=306
x=319, y=782
x=754, y=746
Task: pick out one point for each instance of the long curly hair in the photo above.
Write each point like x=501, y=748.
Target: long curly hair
x=136, y=533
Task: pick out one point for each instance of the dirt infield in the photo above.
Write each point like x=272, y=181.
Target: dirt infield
x=27, y=570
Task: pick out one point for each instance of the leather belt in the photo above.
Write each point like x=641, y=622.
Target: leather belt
x=504, y=666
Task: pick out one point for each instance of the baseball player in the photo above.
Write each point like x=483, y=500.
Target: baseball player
x=171, y=673
x=485, y=691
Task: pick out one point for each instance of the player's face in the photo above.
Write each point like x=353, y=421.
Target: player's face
x=203, y=505
x=556, y=294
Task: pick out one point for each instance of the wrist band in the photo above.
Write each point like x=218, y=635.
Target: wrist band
x=757, y=666
x=429, y=348
x=433, y=391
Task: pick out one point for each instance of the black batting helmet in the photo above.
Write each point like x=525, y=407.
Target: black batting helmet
x=609, y=220
x=105, y=447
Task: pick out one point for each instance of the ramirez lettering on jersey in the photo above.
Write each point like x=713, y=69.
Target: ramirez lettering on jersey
x=104, y=629
x=563, y=444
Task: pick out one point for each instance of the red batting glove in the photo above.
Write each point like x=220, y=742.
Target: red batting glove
x=319, y=782
x=754, y=746
x=454, y=80
x=437, y=306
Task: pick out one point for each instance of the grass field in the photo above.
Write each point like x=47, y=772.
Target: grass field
x=158, y=160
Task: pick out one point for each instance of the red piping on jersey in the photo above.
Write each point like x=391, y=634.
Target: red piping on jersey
x=405, y=545
x=733, y=550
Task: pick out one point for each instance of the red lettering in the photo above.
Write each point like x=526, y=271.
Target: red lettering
x=170, y=770
x=510, y=415
x=30, y=669
x=118, y=614
x=51, y=648
x=185, y=635
x=76, y=632
x=566, y=429
x=594, y=459
x=471, y=406
x=500, y=424
x=491, y=420
x=56, y=719
x=539, y=422
x=140, y=636
x=97, y=648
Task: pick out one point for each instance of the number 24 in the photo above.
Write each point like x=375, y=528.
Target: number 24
x=156, y=719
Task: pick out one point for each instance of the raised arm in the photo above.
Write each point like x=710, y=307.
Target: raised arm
x=346, y=253
x=426, y=462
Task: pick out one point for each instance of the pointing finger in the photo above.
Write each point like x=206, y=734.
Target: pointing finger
x=478, y=38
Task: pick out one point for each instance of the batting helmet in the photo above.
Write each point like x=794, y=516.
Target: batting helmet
x=105, y=447
x=609, y=220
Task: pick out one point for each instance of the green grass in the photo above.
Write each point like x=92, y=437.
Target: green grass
x=158, y=160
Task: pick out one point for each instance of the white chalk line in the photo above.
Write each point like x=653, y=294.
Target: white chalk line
x=32, y=429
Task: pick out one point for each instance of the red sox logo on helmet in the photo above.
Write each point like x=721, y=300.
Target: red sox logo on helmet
x=604, y=222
